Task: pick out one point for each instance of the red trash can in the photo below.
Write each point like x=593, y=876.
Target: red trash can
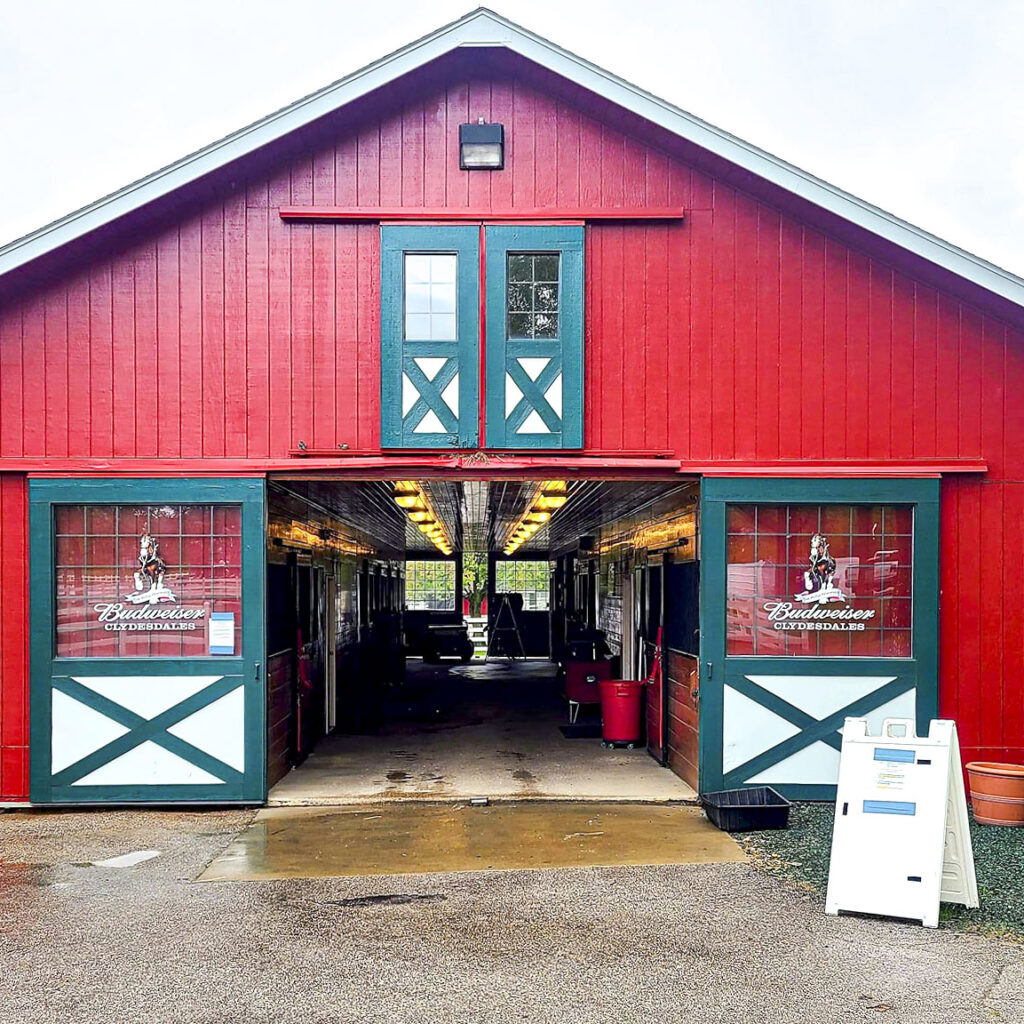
x=622, y=710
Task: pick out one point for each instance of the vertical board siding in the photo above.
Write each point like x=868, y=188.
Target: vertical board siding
x=741, y=333
x=14, y=632
x=981, y=628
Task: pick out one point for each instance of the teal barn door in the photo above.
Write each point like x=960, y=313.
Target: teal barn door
x=147, y=612
x=819, y=601
x=534, y=338
x=430, y=336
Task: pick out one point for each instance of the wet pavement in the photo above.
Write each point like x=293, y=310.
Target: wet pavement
x=304, y=842
x=714, y=943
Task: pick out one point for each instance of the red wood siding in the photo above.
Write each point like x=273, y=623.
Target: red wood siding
x=981, y=628
x=744, y=333
x=682, y=716
x=14, y=633
x=235, y=334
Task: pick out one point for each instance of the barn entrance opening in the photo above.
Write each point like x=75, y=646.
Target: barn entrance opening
x=444, y=639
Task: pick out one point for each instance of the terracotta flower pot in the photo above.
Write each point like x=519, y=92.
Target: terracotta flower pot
x=997, y=792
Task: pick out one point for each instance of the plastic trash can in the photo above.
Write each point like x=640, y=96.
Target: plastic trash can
x=622, y=711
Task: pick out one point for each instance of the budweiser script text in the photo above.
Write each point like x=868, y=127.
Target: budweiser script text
x=118, y=617
x=788, y=616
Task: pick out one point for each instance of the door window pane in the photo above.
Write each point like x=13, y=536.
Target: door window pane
x=144, y=580
x=533, y=295
x=819, y=580
x=430, y=296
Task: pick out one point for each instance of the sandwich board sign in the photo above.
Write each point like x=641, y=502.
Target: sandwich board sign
x=901, y=842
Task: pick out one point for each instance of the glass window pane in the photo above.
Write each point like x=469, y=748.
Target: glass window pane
x=417, y=326
x=531, y=579
x=442, y=326
x=144, y=581
x=545, y=298
x=545, y=325
x=520, y=325
x=430, y=296
x=837, y=583
x=532, y=295
x=417, y=297
x=520, y=268
x=417, y=268
x=519, y=298
x=442, y=298
x=430, y=585
x=443, y=267
x=545, y=267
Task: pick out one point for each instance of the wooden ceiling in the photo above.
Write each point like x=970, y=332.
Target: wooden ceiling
x=479, y=515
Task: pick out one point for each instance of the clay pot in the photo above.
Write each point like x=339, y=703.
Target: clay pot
x=997, y=792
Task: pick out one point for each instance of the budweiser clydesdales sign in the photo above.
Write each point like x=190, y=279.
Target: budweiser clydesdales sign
x=822, y=604
x=152, y=605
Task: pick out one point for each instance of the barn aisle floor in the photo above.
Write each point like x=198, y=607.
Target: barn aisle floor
x=478, y=730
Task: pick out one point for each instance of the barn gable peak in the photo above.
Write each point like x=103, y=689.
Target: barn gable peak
x=484, y=28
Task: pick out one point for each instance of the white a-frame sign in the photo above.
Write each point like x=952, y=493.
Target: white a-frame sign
x=901, y=841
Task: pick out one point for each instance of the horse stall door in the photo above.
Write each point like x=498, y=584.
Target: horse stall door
x=652, y=656
x=331, y=654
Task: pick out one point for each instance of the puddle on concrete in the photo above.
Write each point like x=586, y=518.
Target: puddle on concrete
x=414, y=838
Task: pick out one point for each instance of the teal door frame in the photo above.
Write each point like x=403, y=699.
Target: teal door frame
x=221, y=674
x=717, y=670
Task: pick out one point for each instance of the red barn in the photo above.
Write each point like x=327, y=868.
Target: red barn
x=483, y=321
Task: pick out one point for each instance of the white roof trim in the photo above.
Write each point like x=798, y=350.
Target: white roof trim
x=485, y=28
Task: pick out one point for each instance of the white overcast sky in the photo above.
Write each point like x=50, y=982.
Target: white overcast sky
x=913, y=105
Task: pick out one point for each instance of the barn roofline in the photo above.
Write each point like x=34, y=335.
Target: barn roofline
x=485, y=28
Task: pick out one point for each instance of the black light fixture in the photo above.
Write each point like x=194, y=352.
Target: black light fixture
x=481, y=146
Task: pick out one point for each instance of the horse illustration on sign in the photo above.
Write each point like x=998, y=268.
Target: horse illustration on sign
x=150, y=574
x=819, y=579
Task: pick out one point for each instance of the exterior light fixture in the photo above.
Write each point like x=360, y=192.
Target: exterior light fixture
x=481, y=146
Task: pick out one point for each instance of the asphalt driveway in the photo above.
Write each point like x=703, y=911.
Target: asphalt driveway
x=707, y=943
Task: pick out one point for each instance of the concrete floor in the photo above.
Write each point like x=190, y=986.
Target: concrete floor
x=458, y=731
x=714, y=943
x=414, y=838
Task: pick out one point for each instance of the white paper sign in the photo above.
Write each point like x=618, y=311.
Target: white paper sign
x=901, y=842
x=222, y=633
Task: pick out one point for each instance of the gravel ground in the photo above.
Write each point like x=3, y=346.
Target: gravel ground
x=714, y=943
x=801, y=854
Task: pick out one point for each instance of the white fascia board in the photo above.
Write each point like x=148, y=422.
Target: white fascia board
x=483, y=28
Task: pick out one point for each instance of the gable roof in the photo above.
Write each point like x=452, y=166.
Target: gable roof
x=485, y=28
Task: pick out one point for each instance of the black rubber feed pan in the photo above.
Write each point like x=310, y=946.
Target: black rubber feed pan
x=746, y=810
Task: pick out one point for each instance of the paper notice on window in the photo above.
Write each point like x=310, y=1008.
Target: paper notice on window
x=222, y=633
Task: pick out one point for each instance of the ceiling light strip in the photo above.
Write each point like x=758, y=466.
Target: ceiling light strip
x=413, y=501
x=549, y=498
